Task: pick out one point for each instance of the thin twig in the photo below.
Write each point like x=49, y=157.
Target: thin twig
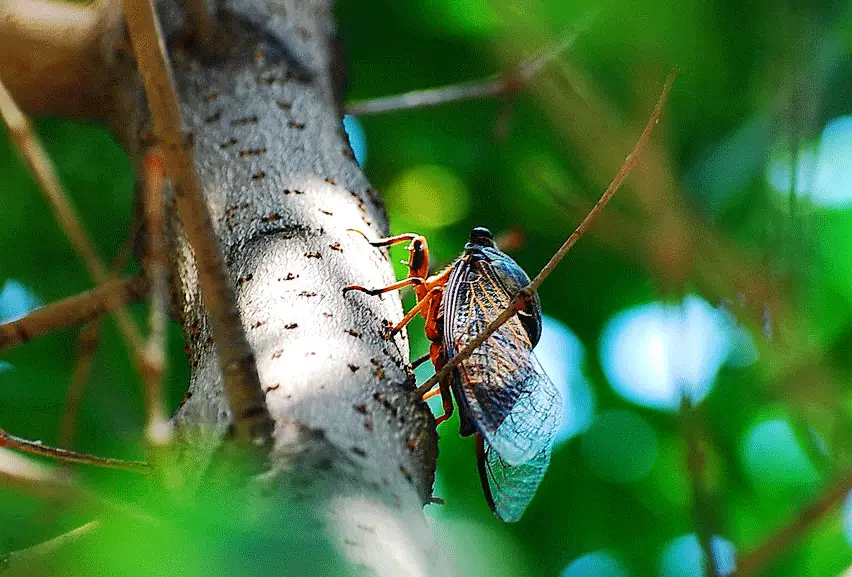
x=758, y=558
x=42, y=558
x=70, y=311
x=525, y=293
x=37, y=448
x=87, y=344
x=703, y=512
x=159, y=429
x=31, y=149
x=251, y=420
x=496, y=85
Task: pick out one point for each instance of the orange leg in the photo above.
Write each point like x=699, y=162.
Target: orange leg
x=414, y=280
x=389, y=241
x=446, y=401
x=421, y=304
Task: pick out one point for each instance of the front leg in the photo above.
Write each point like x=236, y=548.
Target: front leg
x=414, y=280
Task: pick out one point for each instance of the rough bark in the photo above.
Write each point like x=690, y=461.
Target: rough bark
x=353, y=442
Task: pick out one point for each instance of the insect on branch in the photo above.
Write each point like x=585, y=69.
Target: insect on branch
x=518, y=300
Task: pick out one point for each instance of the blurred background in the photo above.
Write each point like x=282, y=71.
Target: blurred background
x=700, y=332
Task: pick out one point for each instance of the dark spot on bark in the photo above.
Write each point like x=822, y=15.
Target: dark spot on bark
x=360, y=407
x=290, y=276
x=352, y=367
x=291, y=326
x=378, y=363
x=335, y=246
x=272, y=217
x=406, y=474
x=296, y=125
x=215, y=117
x=330, y=181
x=379, y=373
x=326, y=212
x=291, y=191
x=354, y=332
x=277, y=354
x=304, y=33
x=368, y=423
x=244, y=279
x=359, y=451
x=258, y=324
x=313, y=254
x=258, y=175
x=310, y=354
x=412, y=446
x=284, y=105
x=253, y=152
x=350, y=542
x=327, y=315
x=365, y=528
x=244, y=120
x=211, y=96
x=271, y=388
x=308, y=294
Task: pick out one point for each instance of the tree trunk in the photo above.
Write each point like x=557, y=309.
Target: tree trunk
x=355, y=448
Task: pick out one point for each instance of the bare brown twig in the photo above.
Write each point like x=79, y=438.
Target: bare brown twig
x=70, y=311
x=251, y=420
x=41, y=167
x=524, y=293
x=497, y=85
x=758, y=558
x=37, y=448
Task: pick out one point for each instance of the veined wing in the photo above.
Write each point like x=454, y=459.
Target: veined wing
x=509, y=488
x=505, y=393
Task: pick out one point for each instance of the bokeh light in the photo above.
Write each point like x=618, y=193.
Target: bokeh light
x=428, y=196
x=16, y=300
x=683, y=557
x=620, y=446
x=774, y=458
x=823, y=172
x=357, y=138
x=653, y=354
x=561, y=354
x=596, y=564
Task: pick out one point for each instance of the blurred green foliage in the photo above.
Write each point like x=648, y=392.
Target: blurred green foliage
x=758, y=84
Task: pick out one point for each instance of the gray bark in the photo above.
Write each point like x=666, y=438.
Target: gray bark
x=283, y=188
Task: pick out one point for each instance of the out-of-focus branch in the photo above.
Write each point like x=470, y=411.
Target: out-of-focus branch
x=37, y=448
x=782, y=539
x=42, y=559
x=497, y=85
x=252, y=423
x=159, y=429
x=57, y=57
x=70, y=311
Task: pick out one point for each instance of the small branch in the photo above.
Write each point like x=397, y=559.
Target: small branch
x=695, y=464
x=159, y=430
x=252, y=423
x=71, y=311
x=33, y=153
x=497, y=85
x=36, y=448
x=42, y=558
x=524, y=293
x=757, y=559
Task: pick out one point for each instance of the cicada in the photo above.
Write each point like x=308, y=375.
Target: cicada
x=503, y=395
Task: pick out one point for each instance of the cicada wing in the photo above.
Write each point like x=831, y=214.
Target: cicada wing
x=506, y=393
x=509, y=488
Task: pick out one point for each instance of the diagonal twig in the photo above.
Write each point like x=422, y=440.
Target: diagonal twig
x=159, y=429
x=33, y=153
x=496, y=85
x=526, y=292
x=70, y=311
x=758, y=558
x=37, y=448
x=251, y=420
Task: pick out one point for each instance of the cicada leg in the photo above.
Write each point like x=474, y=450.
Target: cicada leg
x=425, y=301
x=414, y=280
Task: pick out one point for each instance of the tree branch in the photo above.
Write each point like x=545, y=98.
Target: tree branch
x=251, y=421
x=519, y=299
x=71, y=311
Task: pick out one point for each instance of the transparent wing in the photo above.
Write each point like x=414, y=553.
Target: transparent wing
x=510, y=488
x=508, y=397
